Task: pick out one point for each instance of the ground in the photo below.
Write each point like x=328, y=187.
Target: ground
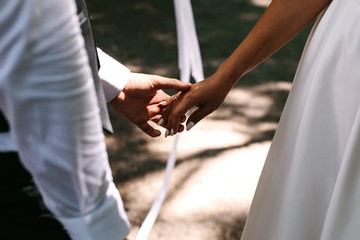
x=220, y=160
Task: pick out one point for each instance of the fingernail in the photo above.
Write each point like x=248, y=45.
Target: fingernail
x=161, y=103
x=166, y=133
x=160, y=122
x=172, y=132
x=189, y=126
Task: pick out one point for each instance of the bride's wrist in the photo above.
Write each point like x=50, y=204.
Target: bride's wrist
x=229, y=74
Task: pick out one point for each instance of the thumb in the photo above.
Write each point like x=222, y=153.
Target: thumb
x=170, y=83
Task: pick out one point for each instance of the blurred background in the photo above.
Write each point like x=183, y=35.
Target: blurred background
x=220, y=159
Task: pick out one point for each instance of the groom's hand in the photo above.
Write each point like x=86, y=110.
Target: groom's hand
x=139, y=100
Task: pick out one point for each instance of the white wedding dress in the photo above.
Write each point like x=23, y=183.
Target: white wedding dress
x=310, y=185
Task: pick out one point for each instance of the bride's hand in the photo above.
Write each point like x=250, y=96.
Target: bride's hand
x=206, y=95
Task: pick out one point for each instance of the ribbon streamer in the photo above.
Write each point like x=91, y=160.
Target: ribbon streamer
x=188, y=45
x=189, y=62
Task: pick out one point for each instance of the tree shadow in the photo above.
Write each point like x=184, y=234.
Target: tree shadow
x=132, y=159
x=142, y=35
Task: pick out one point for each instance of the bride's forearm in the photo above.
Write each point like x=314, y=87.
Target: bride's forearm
x=278, y=25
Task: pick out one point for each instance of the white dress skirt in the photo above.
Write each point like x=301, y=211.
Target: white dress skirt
x=310, y=185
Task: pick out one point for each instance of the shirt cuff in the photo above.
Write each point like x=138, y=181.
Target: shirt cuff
x=108, y=221
x=113, y=74
x=6, y=143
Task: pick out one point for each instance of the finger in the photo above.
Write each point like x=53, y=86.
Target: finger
x=173, y=119
x=183, y=119
x=171, y=133
x=176, y=125
x=196, y=116
x=163, y=104
x=149, y=130
x=159, y=108
x=179, y=109
x=153, y=110
x=160, y=122
x=166, y=111
x=158, y=119
x=160, y=98
x=181, y=128
x=169, y=83
x=169, y=100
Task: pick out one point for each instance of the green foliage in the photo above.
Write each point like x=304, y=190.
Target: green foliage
x=142, y=33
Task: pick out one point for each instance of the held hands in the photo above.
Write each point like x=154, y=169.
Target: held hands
x=143, y=100
x=206, y=95
x=139, y=102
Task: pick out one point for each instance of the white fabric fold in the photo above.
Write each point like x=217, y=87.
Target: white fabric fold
x=190, y=63
x=309, y=187
x=47, y=94
x=189, y=51
x=113, y=74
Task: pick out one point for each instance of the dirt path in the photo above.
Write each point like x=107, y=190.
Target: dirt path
x=220, y=159
x=219, y=163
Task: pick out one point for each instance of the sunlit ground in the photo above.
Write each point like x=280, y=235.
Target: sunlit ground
x=219, y=163
x=219, y=160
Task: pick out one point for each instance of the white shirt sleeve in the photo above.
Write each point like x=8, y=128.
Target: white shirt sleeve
x=48, y=96
x=114, y=75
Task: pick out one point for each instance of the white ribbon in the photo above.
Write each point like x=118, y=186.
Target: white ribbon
x=189, y=51
x=189, y=62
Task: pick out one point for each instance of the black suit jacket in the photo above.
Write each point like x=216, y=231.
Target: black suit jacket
x=90, y=45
